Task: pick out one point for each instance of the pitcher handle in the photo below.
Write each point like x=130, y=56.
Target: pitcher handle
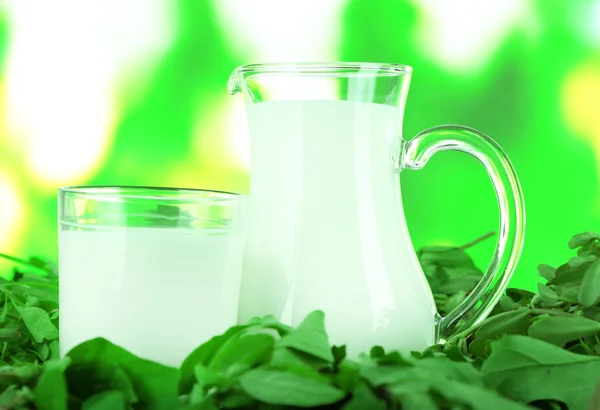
x=415, y=153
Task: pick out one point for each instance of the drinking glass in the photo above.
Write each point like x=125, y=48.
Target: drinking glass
x=154, y=270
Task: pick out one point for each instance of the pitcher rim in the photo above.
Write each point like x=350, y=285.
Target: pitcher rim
x=323, y=67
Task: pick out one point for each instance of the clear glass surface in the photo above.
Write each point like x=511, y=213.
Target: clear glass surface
x=155, y=270
x=326, y=227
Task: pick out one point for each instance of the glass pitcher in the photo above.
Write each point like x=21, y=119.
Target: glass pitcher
x=326, y=225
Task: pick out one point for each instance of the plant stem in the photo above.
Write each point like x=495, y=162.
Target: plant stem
x=476, y=241
x=22, y=262
x=464, y=333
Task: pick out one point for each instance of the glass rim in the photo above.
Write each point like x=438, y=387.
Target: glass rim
x=324, y=67
x=150, y=193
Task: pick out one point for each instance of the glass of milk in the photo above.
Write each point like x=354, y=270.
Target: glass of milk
x=154, y=270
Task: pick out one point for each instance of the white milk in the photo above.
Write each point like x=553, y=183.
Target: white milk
x=327, y=228
x=158, y=292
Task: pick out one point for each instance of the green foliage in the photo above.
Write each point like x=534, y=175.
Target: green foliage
x=29, y=313
x=536, y=350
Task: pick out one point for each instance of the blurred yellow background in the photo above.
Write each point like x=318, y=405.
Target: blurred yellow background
x=133, y=92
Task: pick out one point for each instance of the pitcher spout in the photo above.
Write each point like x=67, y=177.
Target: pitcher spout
x=360, y=82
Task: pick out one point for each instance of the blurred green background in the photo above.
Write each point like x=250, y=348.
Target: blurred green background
x=134, y=92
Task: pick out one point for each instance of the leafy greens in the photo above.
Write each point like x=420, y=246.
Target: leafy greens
x=536, y=350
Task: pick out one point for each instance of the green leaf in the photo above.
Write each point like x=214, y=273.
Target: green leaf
x=270, y=322
x=447, y=257
x=54, y=350
x=274, y=386
x=448, y=369
x=363, y=398
x=348, y=376
x=458, y=382
x=236, y=398
x=203, y=354
x=526, y=369
x=310, y=337
x=415, y=398
x=10, y=334
x=565, y=274
x=109, y=400
x=479, y=348
x=568, y=293
x=21, y=373
x=240, y=354
x=381, y=375
x=51, y=389
x=393, y=357
x=297, y=361
x=578, y=261
x=43, y=289
x=435, y=274
x=339, y=354
x=548, y=294
x=595, y=401
x=197, y=395
x=548, y=297
x=589, y=290
x=14, y=397
x=198, y=402
x=454, y=300
x=546, y=271
x=88, y=379
x=155, y=384
x=38, y=323
x=207, y=404
x=505, y=304
x=457, y=284
x=561, y=329
x=377, y=352
x=476, y=397
x=583, y=239
x=514, y=321
x=521, y=297
x=206, y=377
x=453, y=353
